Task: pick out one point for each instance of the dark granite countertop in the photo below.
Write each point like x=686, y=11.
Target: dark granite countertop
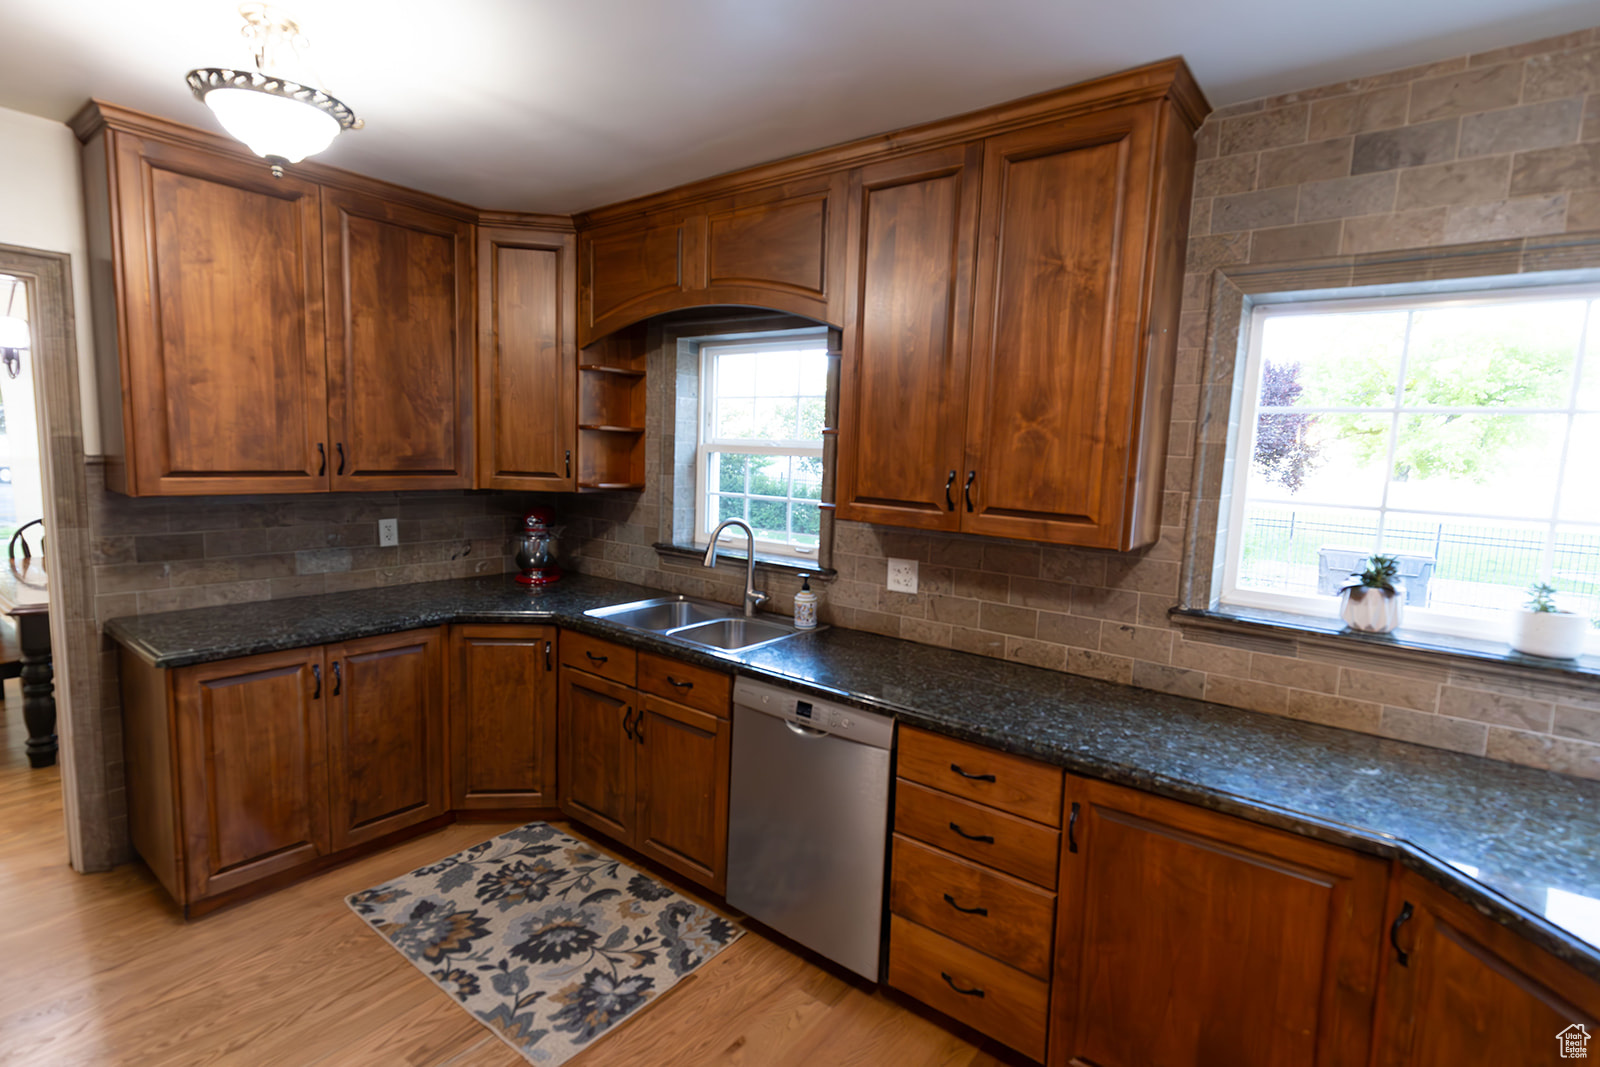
x=1520, y=844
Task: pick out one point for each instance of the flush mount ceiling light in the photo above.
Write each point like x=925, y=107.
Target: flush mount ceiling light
x=281, y=121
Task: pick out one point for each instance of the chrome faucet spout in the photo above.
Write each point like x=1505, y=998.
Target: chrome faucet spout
x=751, y=597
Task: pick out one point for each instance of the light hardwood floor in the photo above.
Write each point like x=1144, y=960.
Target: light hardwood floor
x=101, y=969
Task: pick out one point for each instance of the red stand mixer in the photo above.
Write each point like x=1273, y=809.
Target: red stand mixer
x=536, y=551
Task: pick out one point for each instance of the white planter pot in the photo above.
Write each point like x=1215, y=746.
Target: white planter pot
x=1553, y=634
x=1372, y=611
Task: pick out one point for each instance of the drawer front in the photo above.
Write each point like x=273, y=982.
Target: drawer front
x=1009, y=1006
x=684, y=683
x=1021, y=786
x=991, y=837
x=996, y=914
x=608, y=660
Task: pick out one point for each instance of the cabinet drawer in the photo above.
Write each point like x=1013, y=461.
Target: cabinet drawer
x=1014, y=845
x=685, y=683
x=994, y=913
x=1011, y=783
x=1001, y=1001
x=608, y=660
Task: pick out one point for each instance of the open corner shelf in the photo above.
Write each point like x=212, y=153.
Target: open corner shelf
x=611, y=408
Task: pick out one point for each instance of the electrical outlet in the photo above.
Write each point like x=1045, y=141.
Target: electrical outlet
x=902, y=576
x=388, y=533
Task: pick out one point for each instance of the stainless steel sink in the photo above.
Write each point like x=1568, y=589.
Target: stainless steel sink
x=697, y=622
x=663, y=613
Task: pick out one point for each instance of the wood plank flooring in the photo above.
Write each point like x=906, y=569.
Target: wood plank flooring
x=101, y=969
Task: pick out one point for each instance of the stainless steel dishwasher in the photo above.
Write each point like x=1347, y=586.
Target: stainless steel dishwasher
x=808, y=818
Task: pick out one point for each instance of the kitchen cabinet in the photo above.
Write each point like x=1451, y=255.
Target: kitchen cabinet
x=1058, y=380
x=1460, y=988
x=527, y=358
x=776, y=246
x=399, y=306
x=644, y=753
x=1186, y=937
x=502, y=717
x=250, y=770
x=259, y=335
x=385, y=735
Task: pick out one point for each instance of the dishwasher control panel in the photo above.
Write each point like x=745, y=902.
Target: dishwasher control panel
x=808, y=712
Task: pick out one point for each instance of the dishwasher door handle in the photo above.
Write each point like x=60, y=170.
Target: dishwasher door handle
x=804, y=731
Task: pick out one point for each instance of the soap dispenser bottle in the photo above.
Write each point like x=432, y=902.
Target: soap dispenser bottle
x=805, y=606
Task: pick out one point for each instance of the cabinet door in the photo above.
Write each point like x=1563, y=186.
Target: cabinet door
x=683, y=790
x=527, y=360
x=253, y=776
x=386, y=750
x=503, y=717
x=1471, y=990
x=1189, y=939
x=399, y=344
x=597, y=753
x=631, y=270
x=1057, y=334
x=903, y=380
x=779, y=247
x=223, y=368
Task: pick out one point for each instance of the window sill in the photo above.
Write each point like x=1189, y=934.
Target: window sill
x=764, y=562
x=1403, y=644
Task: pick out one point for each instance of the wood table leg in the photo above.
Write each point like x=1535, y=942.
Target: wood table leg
x=38, y=688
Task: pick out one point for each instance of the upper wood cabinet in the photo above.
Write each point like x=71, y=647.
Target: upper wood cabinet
x=527, y=359
x=1056, y=370
x=261, y=335
x=1188, y=938
x=779, y=247
x=1460, y=988
x=399, y=301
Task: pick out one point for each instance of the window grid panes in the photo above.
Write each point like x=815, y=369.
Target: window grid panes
x=762, y=411
x=1461, y=434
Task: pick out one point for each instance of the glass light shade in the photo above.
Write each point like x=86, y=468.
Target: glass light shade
x=275, y=127
x=14, y=332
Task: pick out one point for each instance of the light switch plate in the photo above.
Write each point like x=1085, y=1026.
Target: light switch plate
x=902, y=576
x=388, y=533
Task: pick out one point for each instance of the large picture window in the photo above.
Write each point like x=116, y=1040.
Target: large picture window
x=762, y=409
x=1461, y=434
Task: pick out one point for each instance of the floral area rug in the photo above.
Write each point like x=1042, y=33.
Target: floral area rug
x=544, y=939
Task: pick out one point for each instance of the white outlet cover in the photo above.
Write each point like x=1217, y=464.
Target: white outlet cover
x=388, y=533
x=902, y=576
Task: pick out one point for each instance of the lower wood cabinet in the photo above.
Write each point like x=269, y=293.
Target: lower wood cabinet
x=649, y=771
x=502, y=717
x=1459, y=988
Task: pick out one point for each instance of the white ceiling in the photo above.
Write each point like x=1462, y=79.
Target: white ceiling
x=561, y=105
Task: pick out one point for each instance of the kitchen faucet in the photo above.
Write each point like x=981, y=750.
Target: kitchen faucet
x=751, y=597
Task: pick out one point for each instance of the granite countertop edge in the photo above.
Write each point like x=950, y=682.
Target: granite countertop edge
x=493, y=599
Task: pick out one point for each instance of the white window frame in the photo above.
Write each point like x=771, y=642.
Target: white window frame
x=708, y=443
x=1415, y=618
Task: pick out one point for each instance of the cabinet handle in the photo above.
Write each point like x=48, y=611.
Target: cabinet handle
x=975, y=777
x=627, y=722
x=951, y=982
x=339, y=447
x=985, y=838
x=966, y=490
x=638, y=726
x=950, y=900
x=681, y=685
x=316, y=673
x=322, y=460
x=547, y=664
x=1400, y=955
x=338, y=679
x=598, y=661
x=1072, y=829
x=949, y=502
x=569, y=463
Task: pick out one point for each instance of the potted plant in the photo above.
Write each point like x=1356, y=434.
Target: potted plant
x=1542, y=629
x=1373, y=601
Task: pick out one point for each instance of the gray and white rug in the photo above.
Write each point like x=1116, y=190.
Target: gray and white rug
x=546, y=940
